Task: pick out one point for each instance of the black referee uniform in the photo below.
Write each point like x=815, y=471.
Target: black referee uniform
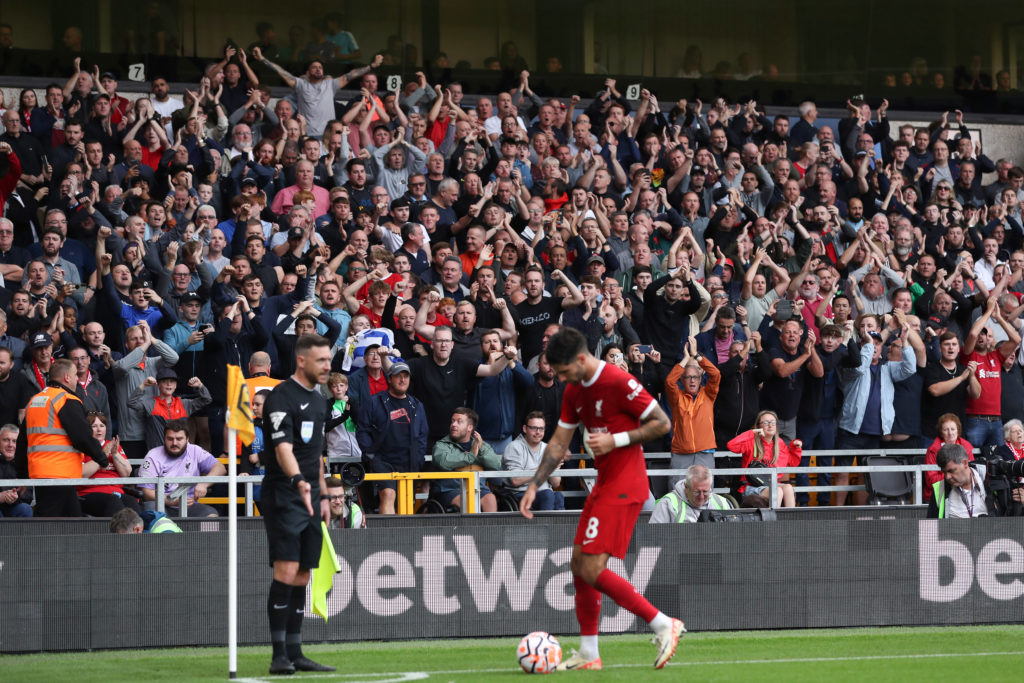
x=295, y=415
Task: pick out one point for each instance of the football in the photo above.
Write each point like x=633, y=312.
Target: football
x=539, y=653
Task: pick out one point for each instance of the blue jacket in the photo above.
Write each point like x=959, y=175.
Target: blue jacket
x=706, y=342
x=495, y=401
x=378, y=437
x=857, y=385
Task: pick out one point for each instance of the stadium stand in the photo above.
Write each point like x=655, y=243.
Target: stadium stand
x=855, y=282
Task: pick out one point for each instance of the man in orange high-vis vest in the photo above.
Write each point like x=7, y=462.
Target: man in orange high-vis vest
x=259, y=378
x=58, y=435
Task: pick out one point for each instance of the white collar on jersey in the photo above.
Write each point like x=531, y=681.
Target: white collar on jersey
x=588, y=382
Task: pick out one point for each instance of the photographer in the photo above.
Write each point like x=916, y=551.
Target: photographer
x=962, y=492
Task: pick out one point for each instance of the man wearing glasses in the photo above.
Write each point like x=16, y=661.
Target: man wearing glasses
x=441, y=381
x=525, y=453
x=692, y=494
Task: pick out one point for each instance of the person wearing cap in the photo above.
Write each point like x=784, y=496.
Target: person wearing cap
x=187, y=334
x=390, y=231
x=335, y=225
x=37, y=366
x=392, y=433
x=101, y=127
x=58, y=435
x=156, y=410
x=146, y=305
x=119, y=106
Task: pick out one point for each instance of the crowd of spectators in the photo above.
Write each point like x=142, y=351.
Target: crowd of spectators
x=770, y=280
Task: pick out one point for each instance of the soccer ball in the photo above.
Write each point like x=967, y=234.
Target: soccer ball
x=539, y=653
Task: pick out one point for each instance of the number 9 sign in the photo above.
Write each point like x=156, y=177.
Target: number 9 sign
x=633, y=92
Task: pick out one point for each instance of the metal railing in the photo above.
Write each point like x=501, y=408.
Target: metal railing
x=471, y=481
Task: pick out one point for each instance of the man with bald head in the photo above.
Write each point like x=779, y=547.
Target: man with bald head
x=303, y=181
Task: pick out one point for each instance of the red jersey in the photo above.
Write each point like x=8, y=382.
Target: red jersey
x=612, y=401
x=107, y=472
x=989, y=376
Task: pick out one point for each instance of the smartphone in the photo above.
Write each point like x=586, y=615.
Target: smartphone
x=206, y=329
x=785, y=309
x=644, y=348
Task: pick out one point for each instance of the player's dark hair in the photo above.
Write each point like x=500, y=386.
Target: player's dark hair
x=308, y=341
x=565, y=345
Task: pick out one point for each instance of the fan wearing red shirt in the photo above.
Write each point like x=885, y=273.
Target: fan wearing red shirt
x=984, y=424
x=618, y=415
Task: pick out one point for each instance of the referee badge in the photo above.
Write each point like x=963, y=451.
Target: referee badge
x=306, y=432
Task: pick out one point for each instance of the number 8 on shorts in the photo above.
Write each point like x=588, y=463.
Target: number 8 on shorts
x=591, y=531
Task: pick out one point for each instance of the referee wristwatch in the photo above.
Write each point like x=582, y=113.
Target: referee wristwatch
x=296, y=478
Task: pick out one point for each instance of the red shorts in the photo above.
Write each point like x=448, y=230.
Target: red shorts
x=606, y=528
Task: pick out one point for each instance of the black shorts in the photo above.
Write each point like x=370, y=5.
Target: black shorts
x=380, y=466
x=292, y=534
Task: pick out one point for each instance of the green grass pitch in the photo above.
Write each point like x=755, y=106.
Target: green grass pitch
x=965, y=653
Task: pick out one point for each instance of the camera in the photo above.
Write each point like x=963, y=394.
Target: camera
x=998, y=467
x=352, y=474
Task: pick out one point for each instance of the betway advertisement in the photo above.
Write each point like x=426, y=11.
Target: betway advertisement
x=102, y=591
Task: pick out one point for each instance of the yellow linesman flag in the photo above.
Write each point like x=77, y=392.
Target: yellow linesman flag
x=239, y=407
x=323, y=576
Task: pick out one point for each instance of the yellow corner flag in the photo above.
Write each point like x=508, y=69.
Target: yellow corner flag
x=239, y=407
x=323, y=576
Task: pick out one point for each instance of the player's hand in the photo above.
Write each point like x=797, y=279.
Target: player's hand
x=526, y=502
x=307, y=498
x=601, y=444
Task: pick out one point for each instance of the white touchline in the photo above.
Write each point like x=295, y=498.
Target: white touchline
x=423, y=675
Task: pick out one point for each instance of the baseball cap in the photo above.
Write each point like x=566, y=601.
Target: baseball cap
x=595, y=258
x=937, y=321
x=141, y=283
x=41, y=339
x=248, y=181
x=728, y=262
x=189, y=297
x=397, y=368
x=108, y=74
x=166, y=373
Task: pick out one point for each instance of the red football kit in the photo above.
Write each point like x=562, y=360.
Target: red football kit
x=611, y=401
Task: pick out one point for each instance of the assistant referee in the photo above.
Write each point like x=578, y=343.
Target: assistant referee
x=294, y=417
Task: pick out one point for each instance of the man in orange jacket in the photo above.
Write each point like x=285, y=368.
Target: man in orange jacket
x=58, y=435
x=693, y=411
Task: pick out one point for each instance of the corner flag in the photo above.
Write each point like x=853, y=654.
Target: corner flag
x=323, y=576
x=239, y=407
